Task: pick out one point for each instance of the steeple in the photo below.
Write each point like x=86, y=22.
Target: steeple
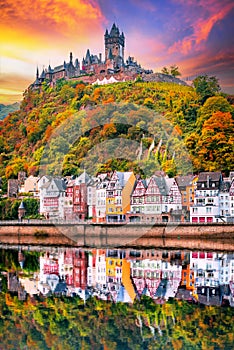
x=37, y=74
x=116, y=42
x=70, y=57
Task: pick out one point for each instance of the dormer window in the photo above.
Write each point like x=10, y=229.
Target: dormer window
x=202, y=185
x=213, y=184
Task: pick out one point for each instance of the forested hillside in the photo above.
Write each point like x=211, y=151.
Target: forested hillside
x=6, y=109
x=176, y=130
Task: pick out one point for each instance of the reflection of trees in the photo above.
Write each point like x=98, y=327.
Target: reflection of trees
x=60, y=323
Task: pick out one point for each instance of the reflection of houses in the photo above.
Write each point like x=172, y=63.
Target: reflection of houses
x=14, y=286
x=100, y=271
x=171, y=273
x=204, y=270
x=30, y=284
x=146, y=275
x=126, y=291
x=114, y=262
x=209, y=295
x=91, y=268
x=80, y=264
x=49, y=272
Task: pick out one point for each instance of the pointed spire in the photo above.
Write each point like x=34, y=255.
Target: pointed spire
x=76, y=63
x=70, y=57
x=37, y=75
x=106, y=33
x=42, y=76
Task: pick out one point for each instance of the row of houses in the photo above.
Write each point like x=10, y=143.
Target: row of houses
x=121, y=197
x=123, y=275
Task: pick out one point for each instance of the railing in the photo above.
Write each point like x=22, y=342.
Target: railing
x=90, y=222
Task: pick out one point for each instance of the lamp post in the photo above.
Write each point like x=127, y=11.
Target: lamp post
x=21, y=211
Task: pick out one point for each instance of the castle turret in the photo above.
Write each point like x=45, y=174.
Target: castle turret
x=115, y=42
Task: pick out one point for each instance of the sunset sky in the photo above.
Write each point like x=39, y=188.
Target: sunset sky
x=197, y=35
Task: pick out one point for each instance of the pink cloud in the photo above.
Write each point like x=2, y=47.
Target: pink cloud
x=212, y=12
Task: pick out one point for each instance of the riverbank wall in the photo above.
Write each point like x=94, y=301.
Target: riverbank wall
x=177, y=235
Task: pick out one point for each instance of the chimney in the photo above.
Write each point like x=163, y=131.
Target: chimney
x=208, y=181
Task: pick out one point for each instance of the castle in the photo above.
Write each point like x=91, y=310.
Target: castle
x=94, y=65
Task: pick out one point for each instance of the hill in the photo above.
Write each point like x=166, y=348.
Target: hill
x=96, y=127
x=6, y=109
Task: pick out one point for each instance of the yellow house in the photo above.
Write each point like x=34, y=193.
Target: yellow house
x=118, y=194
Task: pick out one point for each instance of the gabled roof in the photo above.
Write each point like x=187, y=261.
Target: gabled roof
x=184, y=181
x=59, y=68
x=59, y=183
x=214, y=176
x=161, y=183
x=84, y=178
x=123, y=177
x=162, y=289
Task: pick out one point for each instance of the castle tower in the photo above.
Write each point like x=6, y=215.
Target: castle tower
x=114, y=44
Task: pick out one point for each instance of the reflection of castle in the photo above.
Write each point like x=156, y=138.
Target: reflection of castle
x=113, y=63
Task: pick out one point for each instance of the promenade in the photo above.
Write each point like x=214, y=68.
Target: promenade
x=219, y=236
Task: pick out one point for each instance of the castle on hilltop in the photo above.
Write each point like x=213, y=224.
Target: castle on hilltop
x=113, y=62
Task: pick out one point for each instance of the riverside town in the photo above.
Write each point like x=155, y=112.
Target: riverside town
x=121, y=197
x=117, y=175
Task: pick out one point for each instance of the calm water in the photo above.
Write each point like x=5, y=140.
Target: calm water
x=71, y=298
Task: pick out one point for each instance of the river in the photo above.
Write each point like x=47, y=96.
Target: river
x=55, y=297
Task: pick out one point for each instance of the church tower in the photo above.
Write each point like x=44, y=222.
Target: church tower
x=114, y=45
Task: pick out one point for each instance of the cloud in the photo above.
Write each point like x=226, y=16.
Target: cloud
x=202, y=20
x=12, y=87
x=38, y=22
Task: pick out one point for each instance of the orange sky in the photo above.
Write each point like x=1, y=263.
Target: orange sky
x=176, y=31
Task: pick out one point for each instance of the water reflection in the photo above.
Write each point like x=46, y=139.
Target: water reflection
x=120, y=275
x=115, y=299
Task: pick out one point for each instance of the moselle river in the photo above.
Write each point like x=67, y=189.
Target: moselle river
x=75, y=298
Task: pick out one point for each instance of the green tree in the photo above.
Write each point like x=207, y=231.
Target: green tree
x=206, y=86
x=174, y=70
x=165, y=70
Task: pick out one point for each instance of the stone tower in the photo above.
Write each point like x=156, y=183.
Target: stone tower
x=114, y=45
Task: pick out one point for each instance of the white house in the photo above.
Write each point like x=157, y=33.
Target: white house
x=206, y=201
x=52, y=196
